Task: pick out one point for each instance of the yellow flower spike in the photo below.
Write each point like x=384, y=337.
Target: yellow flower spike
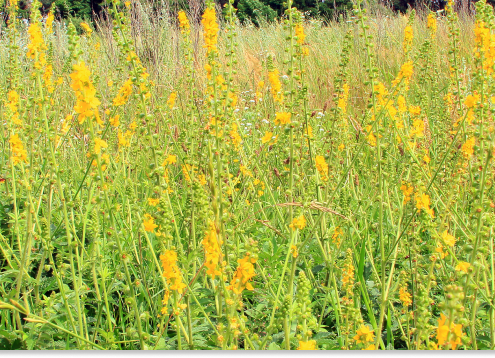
x=467, y=148
x=235, y=137
x=212, y=250
x=300, y=34
x=49, y=22
x=171, y=100
x=405, y=74
x=124, y=93
x=322, y=167
x=405, y=297
x=19, y=154
x=408, y=38
x=276, y=85
x=87, y=103
x=432, y=24
x=171, y=271
x=183, y=21
x=86, y=28
x=211, y=29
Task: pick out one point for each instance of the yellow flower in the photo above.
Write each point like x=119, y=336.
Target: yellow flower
x=87, y=103
x=13, y=101
x=208, y=69
x=472, y=100
x=401, y=102
x=171, y=159
x=467, y=148
x=267, y=137
x=415, y=110
x=336, y=236
x=432, y=23
x=244, y=273
x=212, y=250
x=123, y=139
x=211, y=28
x=171, y=100
x=276, y=85
x=183, y=21
x=235, y=136
x=19, y=154
x=448, y=239
x=36, y=45
x=405, y=296
x=364, y=334
x=86, y=28
x=309, y=131
x=99, y=143
x=322, y=167
x=307, y=346
x=371, y=137
x=300, y=34
x=282, y=118
x=371, y=347
x=171, y=271
x=124, y=93
x=442, y=253
x=49, y=22
x=423, y=202
x=149, y=224
x=153, y=201
x=462, y=266
x=406, y=72
x=408, y=38
x=342, y=103
x=418, y=128
x=448, y=335
x=293, y=249
x=298, y=223
x=348, y=272
x=114, y=121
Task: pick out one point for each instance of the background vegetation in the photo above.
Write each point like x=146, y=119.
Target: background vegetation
x=172, y=184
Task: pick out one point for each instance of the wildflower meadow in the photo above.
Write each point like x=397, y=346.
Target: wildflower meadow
x=180, y=181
